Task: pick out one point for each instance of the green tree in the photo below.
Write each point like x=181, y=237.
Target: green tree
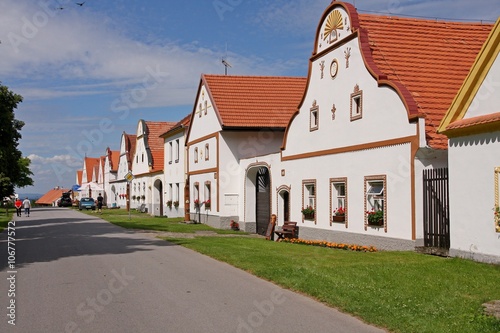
x=14, y=168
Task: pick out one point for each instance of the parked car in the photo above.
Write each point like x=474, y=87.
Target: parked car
x=65, y=200
x=87, y=203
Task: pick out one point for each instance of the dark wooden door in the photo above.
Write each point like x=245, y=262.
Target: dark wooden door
x=263, y=205
x=436, y=209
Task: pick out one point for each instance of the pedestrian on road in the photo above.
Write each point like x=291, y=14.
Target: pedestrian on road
x=19, y=205
x=100, y=200
x=27, y=206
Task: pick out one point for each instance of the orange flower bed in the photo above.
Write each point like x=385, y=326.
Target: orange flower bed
x=332, y=245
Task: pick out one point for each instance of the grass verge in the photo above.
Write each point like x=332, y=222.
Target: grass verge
x=401, y=291
x=5, y=218
x=142, y=221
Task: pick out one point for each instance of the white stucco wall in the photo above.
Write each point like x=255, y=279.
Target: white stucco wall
x=472, y=194
x=174, y=173
x=487, y=98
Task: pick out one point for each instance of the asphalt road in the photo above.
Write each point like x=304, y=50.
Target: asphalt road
x=77, y=273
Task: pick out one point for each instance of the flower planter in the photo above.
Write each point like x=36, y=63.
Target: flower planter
x=377, y=223
x=309, y=216
x=338, y=218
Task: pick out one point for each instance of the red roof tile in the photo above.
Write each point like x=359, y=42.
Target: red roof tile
x=114, y=159
x=156, y=143
x=425, y=60
x=254, y=101
x=183, y=123
x=475, y=121
x=79, y=174
x=90, y=164
x=130, y=141
x=51, y=196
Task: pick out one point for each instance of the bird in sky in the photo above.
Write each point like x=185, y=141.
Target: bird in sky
x=60, y=8
x=80, y=3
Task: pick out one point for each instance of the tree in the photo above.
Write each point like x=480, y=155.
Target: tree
x=14, y=168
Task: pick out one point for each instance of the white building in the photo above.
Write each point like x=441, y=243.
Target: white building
x=110, y=174
x=234, y=117
x=147, y=167
x=119, y=187
x=176, y=193
x=473, y=127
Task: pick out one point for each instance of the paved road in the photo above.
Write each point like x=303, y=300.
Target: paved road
x=77, y=273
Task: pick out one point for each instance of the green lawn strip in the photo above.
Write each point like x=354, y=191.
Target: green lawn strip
x=5, y=218
x=401, y=291
x=142, y=221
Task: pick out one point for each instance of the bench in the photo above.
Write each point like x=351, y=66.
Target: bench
x=288, y=230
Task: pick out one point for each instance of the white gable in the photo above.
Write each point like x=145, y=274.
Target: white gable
x=335, y=27
x=204, y=121
x=487, y=99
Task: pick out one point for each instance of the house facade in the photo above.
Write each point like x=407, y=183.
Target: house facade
x=366, y=129
x=119, y=188
x=110, y=173
x=472, y=125
x=233, y=118
x=176, y=191
x=147, y=188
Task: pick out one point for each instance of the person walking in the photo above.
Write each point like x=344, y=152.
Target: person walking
x=100, y=200
x=19, y=205
x=27, y=206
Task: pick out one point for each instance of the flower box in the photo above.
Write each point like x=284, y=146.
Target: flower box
x=375, y=217
x=338, y=218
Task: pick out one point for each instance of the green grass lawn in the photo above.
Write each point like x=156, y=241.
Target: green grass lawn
x=5, y=218
x=402, y=291
x=138, y=220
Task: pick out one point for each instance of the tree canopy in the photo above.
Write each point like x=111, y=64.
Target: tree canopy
x=14, y=168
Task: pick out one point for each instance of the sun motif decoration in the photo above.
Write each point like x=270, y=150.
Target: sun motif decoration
x=334, y=22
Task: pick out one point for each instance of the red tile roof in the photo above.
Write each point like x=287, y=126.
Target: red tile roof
x=79, y=174
x=182, y=124
x=114, y=159
x=51, y=196
x=475, y=121
x=90, y=164
x=425, y=60
x=156, y=143
x=130, y=141
x=254, y=101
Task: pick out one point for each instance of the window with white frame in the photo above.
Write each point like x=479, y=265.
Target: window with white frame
x=177, y=149
x=170, y=192
x=309, y=199
x=207, y=151
x=170, y=152
x=356, y=104
x=208, y=195
x=195, y=155
x=375, y=203
x=196, y=195
x=314, y=117
x=338, y=193
x=206, y=107
x=177, y=196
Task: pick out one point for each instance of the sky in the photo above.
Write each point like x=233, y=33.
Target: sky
x=90, y=72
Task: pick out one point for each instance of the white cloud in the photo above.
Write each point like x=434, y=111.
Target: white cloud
x=37, y=161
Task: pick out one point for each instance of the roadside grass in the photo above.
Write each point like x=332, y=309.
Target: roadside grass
x=5, y=218
x=400, y=291
x=143, y=221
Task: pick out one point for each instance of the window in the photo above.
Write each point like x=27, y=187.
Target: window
x=196, y=195
x=375, y=203
x=208, y=195
x=199, y=110
x=338, y=204
x=170, y=192
x=177, y=149
x=206, y=107
x=142, y=157
x=497, y=199
x=196, y=155
x=356, y=104
x=170, y=152
x=177, y=197
x=309, y=200
x=314, y=117
x=206, y=151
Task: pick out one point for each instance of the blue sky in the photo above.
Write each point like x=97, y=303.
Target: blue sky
x=87, y=73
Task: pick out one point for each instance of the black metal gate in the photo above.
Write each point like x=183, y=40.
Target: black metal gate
x=436, y=209
x=263, y=206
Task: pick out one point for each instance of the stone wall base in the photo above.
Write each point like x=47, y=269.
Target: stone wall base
x=486, y=258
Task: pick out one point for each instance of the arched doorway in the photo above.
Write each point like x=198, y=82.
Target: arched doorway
x=283, y=204
x=262, y=200
x=158, y=198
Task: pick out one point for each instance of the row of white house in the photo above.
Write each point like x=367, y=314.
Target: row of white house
x=365, y=132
